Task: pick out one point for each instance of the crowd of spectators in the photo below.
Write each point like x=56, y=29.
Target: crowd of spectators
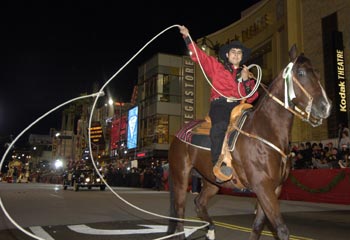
x=315, y=155
x=150, y=177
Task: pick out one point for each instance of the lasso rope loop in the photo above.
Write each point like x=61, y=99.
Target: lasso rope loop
x=97, y=95
x=100, y=93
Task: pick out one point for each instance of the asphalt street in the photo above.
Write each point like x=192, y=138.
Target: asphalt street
x=51, y=213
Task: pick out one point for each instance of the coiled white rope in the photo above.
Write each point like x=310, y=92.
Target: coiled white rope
x=97, y=95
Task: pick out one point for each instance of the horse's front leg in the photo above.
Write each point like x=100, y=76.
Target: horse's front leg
x=258, y=224
x=201, y=202
x=268, y=199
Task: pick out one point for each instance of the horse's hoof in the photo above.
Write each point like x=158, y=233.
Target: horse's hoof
x=210, y=234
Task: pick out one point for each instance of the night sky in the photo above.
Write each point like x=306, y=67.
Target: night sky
x=52, y=51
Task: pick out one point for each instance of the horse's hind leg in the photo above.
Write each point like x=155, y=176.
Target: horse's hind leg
x=259, y=223
x=179, y=171
x=172, y=223
x=201, y=202
x=178, y=204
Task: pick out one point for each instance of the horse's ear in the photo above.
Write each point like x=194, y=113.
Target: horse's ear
x=293, y=52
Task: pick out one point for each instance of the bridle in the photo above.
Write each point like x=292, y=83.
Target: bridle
x=304, y=115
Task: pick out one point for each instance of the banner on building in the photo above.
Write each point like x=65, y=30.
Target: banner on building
x=118, y=132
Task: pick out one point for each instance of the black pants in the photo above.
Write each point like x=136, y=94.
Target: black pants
x=219, y=113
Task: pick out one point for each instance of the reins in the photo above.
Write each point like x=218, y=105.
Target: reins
x=297, y=112
x=289, y=91
x=263, y=140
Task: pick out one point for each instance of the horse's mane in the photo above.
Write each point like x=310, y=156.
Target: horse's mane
x=263, y=94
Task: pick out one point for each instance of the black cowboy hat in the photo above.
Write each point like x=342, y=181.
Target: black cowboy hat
x=234, y=44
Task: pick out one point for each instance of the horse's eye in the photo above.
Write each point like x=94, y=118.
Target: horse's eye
x=301, y=73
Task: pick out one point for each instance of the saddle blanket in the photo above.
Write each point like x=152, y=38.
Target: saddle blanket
x=186, y=135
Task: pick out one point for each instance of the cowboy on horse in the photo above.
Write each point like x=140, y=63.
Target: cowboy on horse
x=226, y=74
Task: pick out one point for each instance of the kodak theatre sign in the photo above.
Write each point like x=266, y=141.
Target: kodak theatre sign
x=338, y=69
x=341, y=80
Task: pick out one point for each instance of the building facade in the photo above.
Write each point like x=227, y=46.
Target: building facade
x=160, y=99
x=172, y=90
x=270, y=28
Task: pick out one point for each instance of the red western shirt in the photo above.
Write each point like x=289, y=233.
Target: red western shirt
x=222, y=79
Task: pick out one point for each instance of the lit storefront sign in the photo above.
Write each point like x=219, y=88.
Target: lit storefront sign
x=188, y=90
x=141, y=154
x=96, y=133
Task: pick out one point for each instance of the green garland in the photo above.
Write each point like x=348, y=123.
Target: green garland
x=339, y=177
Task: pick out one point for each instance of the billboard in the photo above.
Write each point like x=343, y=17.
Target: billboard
x=132, y=127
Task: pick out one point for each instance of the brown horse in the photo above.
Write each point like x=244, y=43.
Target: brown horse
x=260, y=155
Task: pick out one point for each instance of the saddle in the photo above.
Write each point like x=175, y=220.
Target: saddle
x=197, y=133
x=225, y=157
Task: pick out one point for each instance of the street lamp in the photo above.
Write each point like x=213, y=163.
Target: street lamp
x=109, y=109
x=62, y=140
x=58, y=164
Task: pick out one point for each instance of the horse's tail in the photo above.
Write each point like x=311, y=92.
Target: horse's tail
x=172, y=223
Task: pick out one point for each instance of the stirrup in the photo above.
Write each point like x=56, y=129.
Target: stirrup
x=217, y=171
x=219, y=175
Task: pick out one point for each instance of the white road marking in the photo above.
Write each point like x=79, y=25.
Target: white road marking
x=149, y=229
x=40, y=232
x=57, y=196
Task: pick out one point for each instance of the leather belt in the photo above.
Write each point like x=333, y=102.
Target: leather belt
x=223, y=98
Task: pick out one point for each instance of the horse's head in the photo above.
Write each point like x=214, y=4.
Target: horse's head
x=302, y=83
